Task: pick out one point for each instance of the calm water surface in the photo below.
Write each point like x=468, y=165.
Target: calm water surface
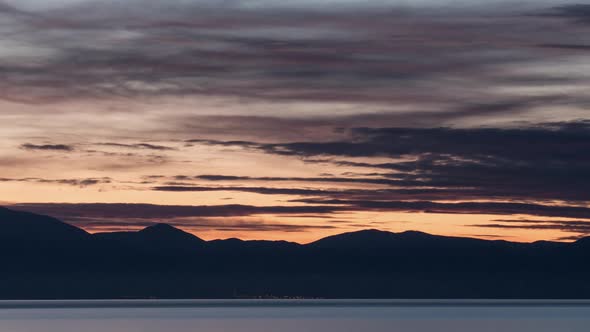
x=294, y=315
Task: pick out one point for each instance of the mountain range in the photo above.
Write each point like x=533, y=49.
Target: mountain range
x=45, y=258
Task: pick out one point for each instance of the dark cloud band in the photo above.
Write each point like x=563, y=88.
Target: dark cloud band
x=47, y=147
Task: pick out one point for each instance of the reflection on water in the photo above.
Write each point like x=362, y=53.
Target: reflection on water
x=300, y=316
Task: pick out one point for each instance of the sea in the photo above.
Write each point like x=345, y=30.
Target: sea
x=295, y=316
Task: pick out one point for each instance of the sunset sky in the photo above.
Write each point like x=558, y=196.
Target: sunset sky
x=295, y=120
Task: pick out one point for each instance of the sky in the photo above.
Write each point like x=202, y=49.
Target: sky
x=300, y=119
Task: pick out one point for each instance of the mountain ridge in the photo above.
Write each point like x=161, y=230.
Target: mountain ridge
x=162, y=261
x=25, y=228
x=165, y=228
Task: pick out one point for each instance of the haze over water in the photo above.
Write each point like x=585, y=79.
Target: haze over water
x=299, y=315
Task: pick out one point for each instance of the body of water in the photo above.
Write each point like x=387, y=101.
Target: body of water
x=294, y=316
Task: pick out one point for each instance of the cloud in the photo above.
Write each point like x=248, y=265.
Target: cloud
x=291, y=53
x=316, y=207
x=222, y=218
x=573, y=237
x=323, y=179
x=578, y=12
x=497, y=208
x=388, y=97
x=47, y=147
x=573, y=47
x=71, y=182
x=257, y=190
x=582, y=227
x=162, y=212
x=506, y=143
x=377, y=189
x=536, y=162
x=325, y=193
x=5, y=8
x=201, y=225
x=398, y=142
x=141, y=146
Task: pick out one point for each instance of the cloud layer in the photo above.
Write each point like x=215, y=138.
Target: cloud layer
x=299, y=113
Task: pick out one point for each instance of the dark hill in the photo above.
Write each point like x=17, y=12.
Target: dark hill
x=375, y=239
x=159, y=238
x=583, y=242
x=44, y=258
x=24, y=229
x=238, y=245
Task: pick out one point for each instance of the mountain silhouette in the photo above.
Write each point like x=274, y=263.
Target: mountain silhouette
x=583, y=242
x=234, y=244
x=44, y=258
x=159, y=238
x=375, y=239
x=24, y=229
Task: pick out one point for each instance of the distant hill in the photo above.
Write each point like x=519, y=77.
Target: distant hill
x=44, y=258
x=375, y=239
x=159, y=238
x=24, y=229
x=583, y=242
